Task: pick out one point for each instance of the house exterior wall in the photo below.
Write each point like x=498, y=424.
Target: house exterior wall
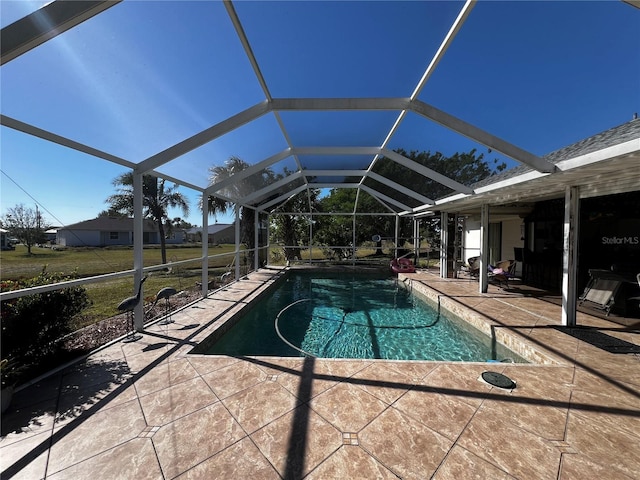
x=223, y=236
x=78, y=238
x=95, y=238
x=511, y=238
x=176, y=237
x=115, y=238
x=4, y=241
x=471, y=239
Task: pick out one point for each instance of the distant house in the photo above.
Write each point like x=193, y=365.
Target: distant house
x=218, y=233
x=105, y=231
x=5, y=243
x=51, y=234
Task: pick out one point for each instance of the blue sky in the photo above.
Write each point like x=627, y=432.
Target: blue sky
x=145, y=75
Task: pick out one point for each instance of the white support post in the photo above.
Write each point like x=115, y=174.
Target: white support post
x=138, y=248
x=397, y=234
x=569, y=255
x=237, y=257
x=484, y=249
x=268, y=239
x=444, y=243
x=353, y=239
x=256, y=240
x=310, y=239
x=456, y=245
x=205, y=245
x=416, y=240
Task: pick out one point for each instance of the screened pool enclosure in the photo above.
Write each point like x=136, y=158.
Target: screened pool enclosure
x=311, y=97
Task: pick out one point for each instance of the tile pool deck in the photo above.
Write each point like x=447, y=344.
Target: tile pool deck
x=150, y=410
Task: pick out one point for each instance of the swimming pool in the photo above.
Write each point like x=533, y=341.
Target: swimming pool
x=353, y=316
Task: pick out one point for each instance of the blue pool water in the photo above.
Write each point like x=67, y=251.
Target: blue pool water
x=354, y=316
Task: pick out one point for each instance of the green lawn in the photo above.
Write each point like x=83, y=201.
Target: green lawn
x=87, y=262
x=106, y=295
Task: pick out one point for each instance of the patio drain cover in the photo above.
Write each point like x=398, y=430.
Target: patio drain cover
x=498, y=380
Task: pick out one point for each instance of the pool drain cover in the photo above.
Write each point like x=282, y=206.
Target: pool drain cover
x=498, y=380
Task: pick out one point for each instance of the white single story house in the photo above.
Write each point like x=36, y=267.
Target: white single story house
x=105, y=231
x=565, y=227
x=217, y=233
x=5, y=244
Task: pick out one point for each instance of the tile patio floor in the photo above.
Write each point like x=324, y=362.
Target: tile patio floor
x=150, y=410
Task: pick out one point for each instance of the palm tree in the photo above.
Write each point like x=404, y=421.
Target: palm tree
x=157, y=199
x=238, y=190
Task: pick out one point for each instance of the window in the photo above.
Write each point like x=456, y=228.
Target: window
x=113, y=235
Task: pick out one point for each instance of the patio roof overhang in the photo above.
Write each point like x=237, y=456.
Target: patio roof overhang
x=610, y=170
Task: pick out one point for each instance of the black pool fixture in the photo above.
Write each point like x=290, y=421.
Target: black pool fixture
x=498, y=380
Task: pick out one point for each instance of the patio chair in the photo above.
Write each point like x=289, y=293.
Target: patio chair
x=503, y=271
x=601, y=290
x=473, y=266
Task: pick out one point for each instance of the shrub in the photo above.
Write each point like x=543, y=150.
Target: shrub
x=33, y=324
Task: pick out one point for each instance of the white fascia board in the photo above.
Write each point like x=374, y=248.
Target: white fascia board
x=249, y=171
x=65, y=142
x=204, y=137
x=427, y=172
x=626, y=148
x=384, y=197
x=272, y=186
x=398, y=187
x=528, y=176
x=510, y=182
x=282, y=198
x=478, y=135
x=308, y=104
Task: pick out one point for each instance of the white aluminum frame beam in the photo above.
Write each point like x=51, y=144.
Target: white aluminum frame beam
x=60, y=140
x=457, y=24
x=46, y=23
x=427, y=172
x=384, y=197
x=235, y=20
x=282, y=198
x=333, y=173
x=323, y=104
x=478, y=135
x=396, y=157
x=328, y=104
x=333, y=185
x=273, y=186
x=400, y=188
x=204, y=137
x=372, y=175
x=253, y=169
